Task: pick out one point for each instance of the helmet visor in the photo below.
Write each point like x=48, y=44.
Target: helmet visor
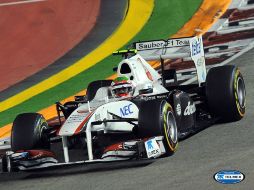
x=123, y=91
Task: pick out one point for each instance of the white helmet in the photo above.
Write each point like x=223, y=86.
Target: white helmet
x=122, y=87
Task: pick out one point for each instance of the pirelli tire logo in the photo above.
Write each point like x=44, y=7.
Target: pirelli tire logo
x=190, y=109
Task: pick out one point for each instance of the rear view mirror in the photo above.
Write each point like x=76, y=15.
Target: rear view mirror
x=147, y=89
x=115, y=69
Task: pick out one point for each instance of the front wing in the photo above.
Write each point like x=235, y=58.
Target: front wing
x=133, y=150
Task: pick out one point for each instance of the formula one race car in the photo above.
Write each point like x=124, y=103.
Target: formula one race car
x=140, y=115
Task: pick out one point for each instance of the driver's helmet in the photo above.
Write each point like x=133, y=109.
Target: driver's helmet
x=122, y=87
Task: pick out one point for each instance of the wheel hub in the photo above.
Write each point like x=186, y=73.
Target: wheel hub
x=172, y=128
x=241, y=92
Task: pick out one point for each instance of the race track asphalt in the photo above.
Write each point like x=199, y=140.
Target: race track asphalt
x=221, y=147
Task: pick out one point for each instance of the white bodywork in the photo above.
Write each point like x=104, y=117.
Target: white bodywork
x=173, y=48
x=102, y=106
x=81, y=117
x=81, y=120
x=143, y=76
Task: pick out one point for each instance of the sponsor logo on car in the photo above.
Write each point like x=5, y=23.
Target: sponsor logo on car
x=229, y=176
x=126, y=110
x=148, y=98
x=178, y=109
x=190, y=109
x=152, y=148
x=149, y=145
x=196, y=47
x=159, y=44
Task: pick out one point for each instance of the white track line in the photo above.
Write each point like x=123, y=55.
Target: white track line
x=20, y=2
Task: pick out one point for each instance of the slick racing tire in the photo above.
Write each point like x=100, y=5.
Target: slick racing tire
x=156, y=118
x=29, y=132
x=225, y=91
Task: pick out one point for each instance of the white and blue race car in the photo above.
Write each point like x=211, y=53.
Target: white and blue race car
x=140, y=115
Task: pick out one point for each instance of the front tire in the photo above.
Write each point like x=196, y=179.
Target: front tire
x=156, y=118
x=29, y=132
x=225, y=91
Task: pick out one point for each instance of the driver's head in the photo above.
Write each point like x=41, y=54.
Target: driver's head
x=122, y=87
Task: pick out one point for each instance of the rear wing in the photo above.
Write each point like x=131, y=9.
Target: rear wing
x=173, y=49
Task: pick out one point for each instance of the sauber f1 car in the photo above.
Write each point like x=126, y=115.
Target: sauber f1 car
x=141, y=114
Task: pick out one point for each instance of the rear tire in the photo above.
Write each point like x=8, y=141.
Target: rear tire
x=156, y=118
x=28, y=132
x=225, y=91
